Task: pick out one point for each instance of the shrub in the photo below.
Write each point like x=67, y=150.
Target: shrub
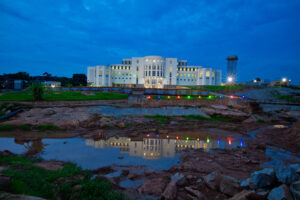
x=37, y=90
x=6, y=127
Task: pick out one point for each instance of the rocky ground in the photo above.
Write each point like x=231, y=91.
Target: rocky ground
x=221, y=174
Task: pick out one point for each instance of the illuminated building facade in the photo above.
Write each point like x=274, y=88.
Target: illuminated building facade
x=152, y=72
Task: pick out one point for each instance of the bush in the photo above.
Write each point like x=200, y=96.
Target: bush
x=6, y=127
x=38, y=91
x=45, y=127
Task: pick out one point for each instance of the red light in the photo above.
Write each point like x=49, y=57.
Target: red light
x=148, y=135
x=177, y=137
x=229, y=141
x=148, y=97
x=231, y=97
x=178, y=97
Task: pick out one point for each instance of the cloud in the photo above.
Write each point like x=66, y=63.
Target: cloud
x=84, y=32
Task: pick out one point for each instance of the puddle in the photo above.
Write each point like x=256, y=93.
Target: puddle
x=279, y=156
x=168, y=111
x=131, y=184
x=153, y=152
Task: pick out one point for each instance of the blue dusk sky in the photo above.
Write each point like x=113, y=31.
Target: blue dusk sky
x=63, y=37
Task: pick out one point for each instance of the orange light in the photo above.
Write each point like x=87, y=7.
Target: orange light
x=178, y=97
x=167, y=136
x=177, y=137
x=169, y=97
x=231, y=97
x=148, y=135
x=229, y=141
x=148, y=97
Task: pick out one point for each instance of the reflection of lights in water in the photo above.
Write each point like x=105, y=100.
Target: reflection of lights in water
x=161, y=147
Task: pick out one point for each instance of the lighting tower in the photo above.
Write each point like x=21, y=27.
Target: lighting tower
x=232, y=69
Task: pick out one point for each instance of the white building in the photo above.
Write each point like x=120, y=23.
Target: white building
x=152, y=72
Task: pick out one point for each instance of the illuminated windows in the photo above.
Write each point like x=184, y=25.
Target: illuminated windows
x=207, y=73
x=171, y=69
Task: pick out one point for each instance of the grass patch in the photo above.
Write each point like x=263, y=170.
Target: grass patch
x=261, y=121
x=6, y=127
x=161, y=118
x=61, y=96
x=25, y=127
x=218, y=87
x=45, y=127
x=15, y=160
x=288, y=98
x=36, y=181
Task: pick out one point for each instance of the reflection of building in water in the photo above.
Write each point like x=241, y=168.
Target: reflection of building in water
x=153, y=148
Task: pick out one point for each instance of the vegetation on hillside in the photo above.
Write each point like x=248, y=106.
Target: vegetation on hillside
x=70, y=182
x=27, y=95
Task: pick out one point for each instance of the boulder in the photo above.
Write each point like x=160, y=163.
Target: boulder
x=280, y=193
x=232, y=114
x=19, y=197
x=263, y=178
x=170, y=191
x=153, y=186
x=287, y=174
x=176, y=177
x=245, y=183
x=195, y=193
x=121, y=125
x=229, y=185
x=243, y=195
x=295, y=189
x=212, y=180
x=260, y=194
x=50, y=165
x=219, y=107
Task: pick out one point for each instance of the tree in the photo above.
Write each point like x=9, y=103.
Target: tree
x=79, y=79
x=37, y=90
x=46, y=74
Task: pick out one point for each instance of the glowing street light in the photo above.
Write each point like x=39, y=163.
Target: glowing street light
x=229, y=79
x=284, y=80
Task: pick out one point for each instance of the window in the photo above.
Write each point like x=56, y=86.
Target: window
x=137, y=68
x=137, y=61
x=171, y=69
x=207, y=73
x=201, y=74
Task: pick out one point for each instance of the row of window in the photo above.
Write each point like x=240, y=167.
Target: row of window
x=121, y=67
x=154, y=73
